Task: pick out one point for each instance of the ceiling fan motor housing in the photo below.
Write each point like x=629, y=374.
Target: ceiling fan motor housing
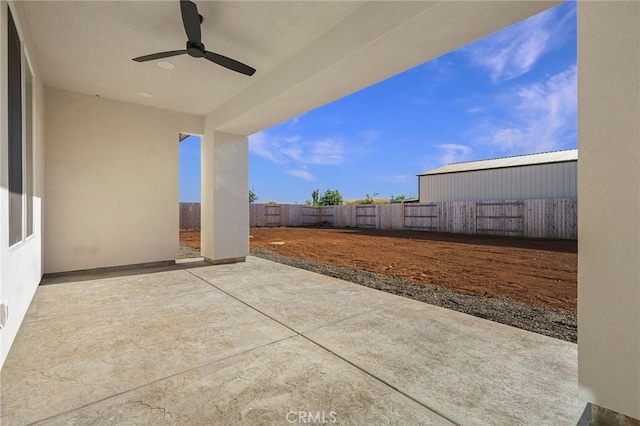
x=195, y=50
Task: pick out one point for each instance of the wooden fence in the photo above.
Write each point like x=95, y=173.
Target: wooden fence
x=189, y=215
x=539, y=218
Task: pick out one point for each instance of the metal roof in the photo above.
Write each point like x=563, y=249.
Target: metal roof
x=515, y=161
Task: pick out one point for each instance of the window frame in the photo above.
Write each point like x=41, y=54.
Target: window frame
x=15, y=124
x=29, y=157
x=27, y=130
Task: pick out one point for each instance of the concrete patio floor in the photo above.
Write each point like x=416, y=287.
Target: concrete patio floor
x=259, y=343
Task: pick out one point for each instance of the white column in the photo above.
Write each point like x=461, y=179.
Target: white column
x=224, y=229
x=609, y=204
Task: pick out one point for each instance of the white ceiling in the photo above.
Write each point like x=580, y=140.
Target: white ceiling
x=88, y=46
x=306, y=53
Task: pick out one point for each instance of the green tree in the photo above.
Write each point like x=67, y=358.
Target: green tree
x=331, y=198
x=315, y=195
x=252, y=196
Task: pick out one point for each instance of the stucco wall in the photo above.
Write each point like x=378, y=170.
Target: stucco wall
x=111, y=182
x=609, y=204
x=20, y=264
x=225, y=196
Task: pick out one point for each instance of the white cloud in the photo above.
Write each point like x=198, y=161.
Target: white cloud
x=513, y=51
x=370, y=136
x=294, y=152
x=400, y=179
x=326, y=152
x=262, y=146
x=292, y=122
x=542, y=116
x=441, y=70
x=284, y=150
x=454, y=153
x=302, y=174
x=509, y=138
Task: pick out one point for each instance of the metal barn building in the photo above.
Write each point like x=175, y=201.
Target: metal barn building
x=545, y=175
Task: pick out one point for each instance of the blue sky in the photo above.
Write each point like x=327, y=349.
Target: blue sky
x=513, y=92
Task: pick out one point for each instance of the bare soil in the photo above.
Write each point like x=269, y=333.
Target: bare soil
x=190, y=238
x=526, y=283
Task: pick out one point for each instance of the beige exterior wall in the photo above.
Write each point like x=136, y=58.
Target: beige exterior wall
x=555, y=180
x=224, y=212
x=112, y=182
x=609, y=204
x=20, y=264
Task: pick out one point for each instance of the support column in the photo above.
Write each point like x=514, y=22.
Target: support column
x=224, y=229
x=609, y=205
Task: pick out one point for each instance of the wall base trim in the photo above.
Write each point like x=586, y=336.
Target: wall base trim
x=226, y=261
x=110, y=269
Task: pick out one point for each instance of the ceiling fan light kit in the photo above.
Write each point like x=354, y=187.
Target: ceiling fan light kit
x=166, y=65
x=192, y=20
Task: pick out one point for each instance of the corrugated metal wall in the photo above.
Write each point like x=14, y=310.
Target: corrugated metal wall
x=554, y=180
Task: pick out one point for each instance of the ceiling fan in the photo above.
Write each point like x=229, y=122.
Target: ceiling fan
x=195, y=48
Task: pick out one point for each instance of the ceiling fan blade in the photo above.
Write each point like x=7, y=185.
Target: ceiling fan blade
x=232, y=64
x=191, y=21
x=160, y=55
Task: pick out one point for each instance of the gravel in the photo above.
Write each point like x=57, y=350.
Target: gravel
x=188, y=253
x=550, y=322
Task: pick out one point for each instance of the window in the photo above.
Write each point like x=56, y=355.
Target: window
x=28, y=178
x=20, y=94
x=14, y=92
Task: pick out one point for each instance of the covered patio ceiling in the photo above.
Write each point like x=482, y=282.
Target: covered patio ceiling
x=306, y=53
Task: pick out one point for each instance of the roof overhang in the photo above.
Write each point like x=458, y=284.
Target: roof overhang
x=307, y=53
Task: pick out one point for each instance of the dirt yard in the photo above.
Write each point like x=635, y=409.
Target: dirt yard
x=190, y=238
x=538, y=272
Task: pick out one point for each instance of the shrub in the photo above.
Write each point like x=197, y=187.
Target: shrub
x=331, y=198
x=369, y=200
